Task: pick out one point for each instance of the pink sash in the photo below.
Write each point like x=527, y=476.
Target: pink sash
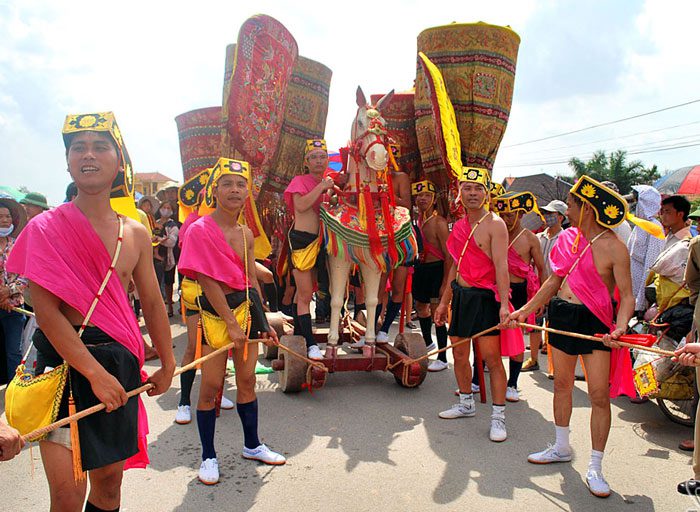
x=523, y=270
x=61, y=252
x=301, y=185
x=206, y=251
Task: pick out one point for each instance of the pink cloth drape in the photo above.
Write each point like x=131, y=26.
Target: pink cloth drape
x=302, y=184
x=61, y=252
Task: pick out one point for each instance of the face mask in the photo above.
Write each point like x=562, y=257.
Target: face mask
x=550, y=220
x=166, y=213
x=7, y=231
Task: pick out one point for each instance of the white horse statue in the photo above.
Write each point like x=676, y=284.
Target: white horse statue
x=365, y=227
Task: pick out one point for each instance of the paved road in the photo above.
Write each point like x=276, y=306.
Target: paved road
x=364, y=443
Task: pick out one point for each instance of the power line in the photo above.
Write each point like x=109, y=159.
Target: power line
x=546, y=150
x=635, y=152
x=603, y=124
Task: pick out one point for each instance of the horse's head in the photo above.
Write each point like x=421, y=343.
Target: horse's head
x=369, y=136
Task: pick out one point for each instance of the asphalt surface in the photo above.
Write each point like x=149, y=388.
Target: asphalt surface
x=364, y=443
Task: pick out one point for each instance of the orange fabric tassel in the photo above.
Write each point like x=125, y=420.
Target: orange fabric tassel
x=78, y=474
x=198, y=347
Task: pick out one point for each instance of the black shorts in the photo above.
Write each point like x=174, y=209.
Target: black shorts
x=169, y=276
x=427, y=279
x=105, y=438
x=566, y=316
x=518, y=294
x=473, y=310
x=258, y=324
x=356, y=278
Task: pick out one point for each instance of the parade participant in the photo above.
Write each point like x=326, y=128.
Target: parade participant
x=65, y=253
x=554, y=216
x=689, y=355
x=401, y=187
x=478, y=245
x=581, y=287
x=303, y=198
x=674, y=218
x=34, y=204
x=11, y=442
x=218, y=253
x=12, y=285
x=643, y=247
x=433, y=269
x=525, y=267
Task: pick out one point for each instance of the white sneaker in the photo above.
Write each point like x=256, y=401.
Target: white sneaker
x=431, y=347
x=437, y=366
x=226, y=403
x=382, y=337
x=263, y=454
x=209, y=472
x=183, y=416
x=548, y=456
x=476, y=388
x=460, y=410
x=596, y=484
x=512, y=395
x=361, y=343
x=313, y=353
x=498, y=428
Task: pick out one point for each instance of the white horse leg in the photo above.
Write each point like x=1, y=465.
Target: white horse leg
x=372, y=277
x=339, y=271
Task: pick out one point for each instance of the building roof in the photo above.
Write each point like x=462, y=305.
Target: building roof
x=151, y=176
x=546, y=188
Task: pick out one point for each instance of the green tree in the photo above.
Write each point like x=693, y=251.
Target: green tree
x=615, y=167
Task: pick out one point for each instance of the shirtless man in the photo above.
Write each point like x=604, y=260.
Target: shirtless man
x=433, y=269
x=402, y=193
x=303, y=197
x=478, y=245
x=584, y=278
x=218, y=252
x=77, y=241
x=525, y=267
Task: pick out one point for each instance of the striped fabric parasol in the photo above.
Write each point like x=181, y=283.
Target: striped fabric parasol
x=685, y=181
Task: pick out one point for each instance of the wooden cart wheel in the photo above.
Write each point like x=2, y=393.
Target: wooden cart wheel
x=413, y=345
x=294, y=373
x=277, y=324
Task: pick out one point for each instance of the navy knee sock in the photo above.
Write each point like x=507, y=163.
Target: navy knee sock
x=271, y=295
x=305, y=329
x=392, y=309
x=89, y=507
x=249, y=419
x=378, y=313
x=441, y=332
x=514, y=372
x=295, y=314
x=475, y=374
x=186, y=381
x=206, y=424
x=426, y=324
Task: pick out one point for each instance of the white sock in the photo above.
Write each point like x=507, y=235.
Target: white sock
x=499, y=410
x=562, y=440
x=466, y=397
x=596, y=463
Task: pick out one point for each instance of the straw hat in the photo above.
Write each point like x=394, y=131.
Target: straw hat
x=19, y=216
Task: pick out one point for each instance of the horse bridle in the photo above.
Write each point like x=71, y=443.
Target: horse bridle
x=376, y=127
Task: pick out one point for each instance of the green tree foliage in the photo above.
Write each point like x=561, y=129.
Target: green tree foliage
x=615, y=167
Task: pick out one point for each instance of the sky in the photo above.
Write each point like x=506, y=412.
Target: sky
x=580, y=64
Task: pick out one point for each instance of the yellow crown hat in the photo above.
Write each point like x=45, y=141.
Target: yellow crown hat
x=223, y=167
x=423, y=186
x=122, y=194
x=522, y=201
x=475, y=175
x=496, y=189
x=609, y=206
x=315, y=145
